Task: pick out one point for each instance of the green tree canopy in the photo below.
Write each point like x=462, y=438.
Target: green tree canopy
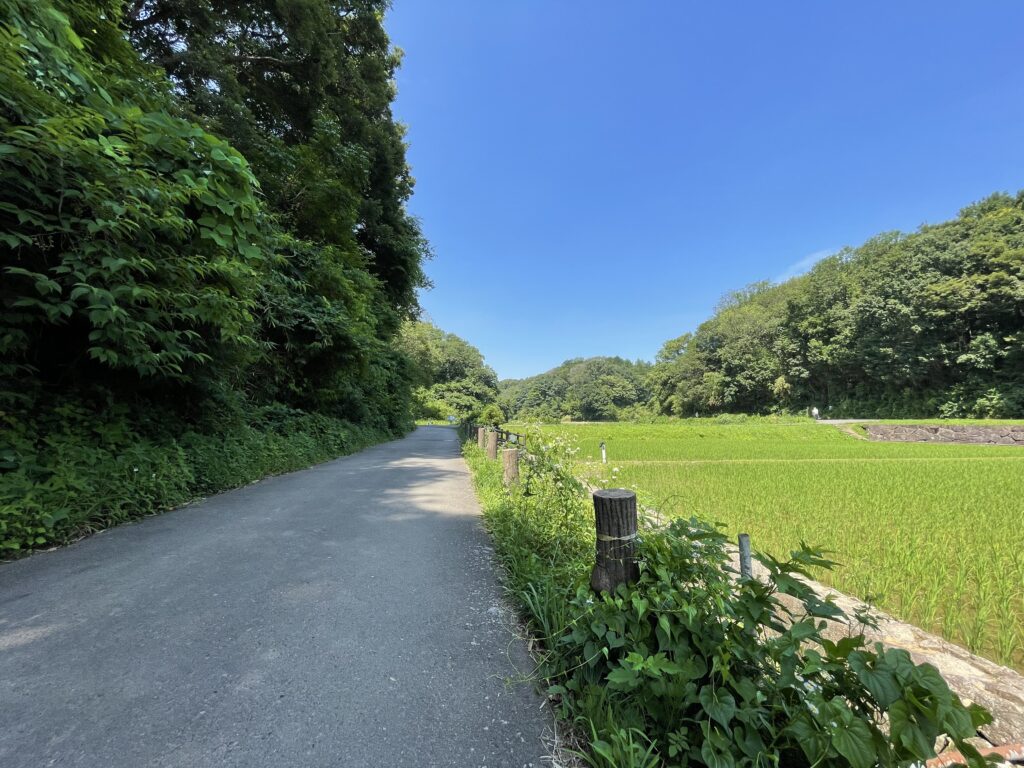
x=591, y=389
x=303, y=89
x=925, y=324
x=230, y=221
x=450, y=375
x=132, y=238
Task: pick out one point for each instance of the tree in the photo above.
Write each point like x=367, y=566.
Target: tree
x=304, y=89
x=450, y=374
x=594, y=389
x=132, y=238
x=924, y=324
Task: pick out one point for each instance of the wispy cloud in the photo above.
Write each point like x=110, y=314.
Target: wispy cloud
x=799, y=267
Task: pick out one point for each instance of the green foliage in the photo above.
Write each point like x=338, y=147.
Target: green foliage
x=594, y=389
x=189, y=248
x=925, y=324
x=79, y=467
x=130, y=236
x=492, y=414
x=726, y=673
x=450, y=375
x=693, y=666
x=303, y=89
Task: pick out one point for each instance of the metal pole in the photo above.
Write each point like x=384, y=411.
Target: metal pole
x=746, y=568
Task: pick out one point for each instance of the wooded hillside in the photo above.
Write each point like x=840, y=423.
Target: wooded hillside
x=926, y=324
x=449, y=375
x=591, y=389
x=204, y=245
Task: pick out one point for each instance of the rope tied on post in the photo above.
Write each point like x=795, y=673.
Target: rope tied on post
x=604, y=537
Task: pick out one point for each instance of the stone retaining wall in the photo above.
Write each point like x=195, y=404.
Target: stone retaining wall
x=974, y=679
x=952, y=433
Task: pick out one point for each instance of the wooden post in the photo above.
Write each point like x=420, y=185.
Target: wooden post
x=492, y=444
x=510, y=458
x=481, y=436
x=746, y=569
x=615, y=519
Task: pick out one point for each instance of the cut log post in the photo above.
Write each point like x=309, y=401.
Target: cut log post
x=481, y=436
x=510, y=457
x=492, y=444
x=615, y=519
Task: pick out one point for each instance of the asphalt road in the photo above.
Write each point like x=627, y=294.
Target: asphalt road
x=344, y=615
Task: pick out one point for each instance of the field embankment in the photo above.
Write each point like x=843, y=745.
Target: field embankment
x=1009, y=434
x=928, y=532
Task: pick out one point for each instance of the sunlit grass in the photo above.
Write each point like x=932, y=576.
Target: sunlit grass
x=928, y=532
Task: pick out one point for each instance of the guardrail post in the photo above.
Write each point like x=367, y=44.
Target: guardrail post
x=615, y=520
x=510, y=458
x=492, y=444
x=481, y=436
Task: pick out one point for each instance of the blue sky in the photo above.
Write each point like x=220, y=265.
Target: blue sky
x=594, y=176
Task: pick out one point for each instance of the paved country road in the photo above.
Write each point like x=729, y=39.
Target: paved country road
x=343, y=615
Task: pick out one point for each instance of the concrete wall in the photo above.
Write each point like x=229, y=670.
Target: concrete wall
x=952, y=433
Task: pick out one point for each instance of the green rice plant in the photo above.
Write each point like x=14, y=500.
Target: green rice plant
x=926, y=531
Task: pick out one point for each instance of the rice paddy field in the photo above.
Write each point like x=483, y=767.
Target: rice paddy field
x=932, y=533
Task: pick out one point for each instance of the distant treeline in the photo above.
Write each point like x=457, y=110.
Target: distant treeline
x=594, y=389
x=925, y=324
x=448, y=375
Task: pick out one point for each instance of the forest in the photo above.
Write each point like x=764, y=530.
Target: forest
x=906, y=325
x=205, y=250
x=927, y=324
x=591, y=389
x=449, y=376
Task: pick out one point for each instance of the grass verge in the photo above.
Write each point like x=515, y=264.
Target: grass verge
x=73, y=471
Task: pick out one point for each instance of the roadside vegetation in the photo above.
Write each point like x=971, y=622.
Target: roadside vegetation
x=928, y=532
x=205, y=255
x=691, y=667
x=448, y=375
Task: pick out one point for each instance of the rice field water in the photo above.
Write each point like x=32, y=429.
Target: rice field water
x=931, y=533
